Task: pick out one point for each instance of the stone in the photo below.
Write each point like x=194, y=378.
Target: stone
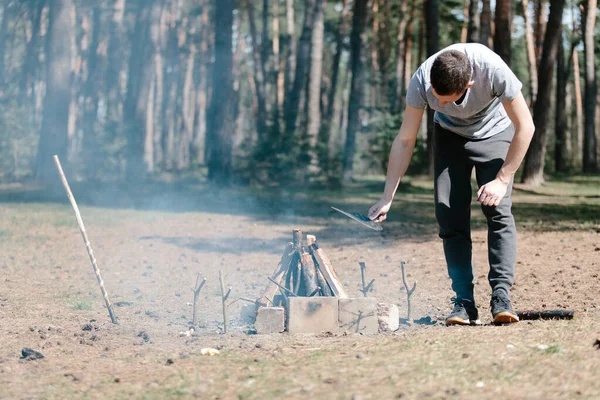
x=270, y=320
x=359, y=315
x=30, y=354
x=248, y=314
x=388, y=316
x=313, y=314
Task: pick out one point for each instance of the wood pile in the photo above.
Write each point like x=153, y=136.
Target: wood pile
x=304, y=270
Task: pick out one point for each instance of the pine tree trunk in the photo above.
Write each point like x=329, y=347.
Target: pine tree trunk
x=3, y=33
x=374, y=95
x=359, y=22
x=290, y=70
x=533, y=171
x=116, y=65
x=502, y=34
x=135, y=107
x=259, y=76
x=531, y=57
x=465, y=26
x=31, y=62
x=292, y=100
x=316, y=75
x=335, y=67
x=398, y=99
x=578, y=148
x=432, y=25
x=59, y=60
x=221, y=120
x=199, y=141
x=562, y=149
x=539, y=27
x=96, y=68
x=486, y=21
x=590, y=142
x=408, y=68
x=473, y=31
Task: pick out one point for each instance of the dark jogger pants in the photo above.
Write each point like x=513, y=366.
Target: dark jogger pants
x=454, y=159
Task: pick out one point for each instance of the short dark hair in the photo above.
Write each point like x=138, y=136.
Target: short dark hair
x=450, y=72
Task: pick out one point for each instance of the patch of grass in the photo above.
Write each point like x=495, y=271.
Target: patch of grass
x=82, y=305
x=553, y=349
x=5, y=234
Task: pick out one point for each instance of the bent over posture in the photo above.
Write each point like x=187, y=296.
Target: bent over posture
x=482, y=122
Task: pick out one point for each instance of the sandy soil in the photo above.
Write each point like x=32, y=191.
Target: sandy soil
x=151, y=244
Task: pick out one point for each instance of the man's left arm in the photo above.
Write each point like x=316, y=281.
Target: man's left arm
x=493, y=192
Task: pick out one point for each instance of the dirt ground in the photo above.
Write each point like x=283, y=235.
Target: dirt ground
x=151, y=242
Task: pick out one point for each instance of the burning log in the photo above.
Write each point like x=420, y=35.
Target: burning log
x=326, y=268
x=546, y=314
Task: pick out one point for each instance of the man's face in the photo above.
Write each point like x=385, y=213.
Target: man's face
x=450, y=98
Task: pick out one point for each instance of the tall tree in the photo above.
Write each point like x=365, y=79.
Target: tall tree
x=474, y=22
x=55, y=119
x=259, y=74
x=486, y=22
x=359, y=22
x=533, y=171
x=590, y=142
x=316, y=75
x=292, y=100
x=290, y=71
x=539, y=27
x=222, y=104
x=3, y=33
x=31, y=61
x=531, y=57
x=502, y=34
x=433, y=45
x=135, y=107
x=116, y=65
x=401, y=39
x=562, y=144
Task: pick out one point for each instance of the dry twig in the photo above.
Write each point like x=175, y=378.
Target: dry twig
x=224, y=297
x=365, y=288
x=196, y=291
x=409, y=293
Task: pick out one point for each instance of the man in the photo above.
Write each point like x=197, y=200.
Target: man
x=482, y=122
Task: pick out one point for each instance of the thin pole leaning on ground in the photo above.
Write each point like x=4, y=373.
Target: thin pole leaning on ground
x=88, y=246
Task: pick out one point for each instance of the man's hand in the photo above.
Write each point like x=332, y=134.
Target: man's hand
x=492, y=192
x=378, y=212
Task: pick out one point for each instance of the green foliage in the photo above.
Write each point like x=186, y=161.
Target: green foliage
x=384, y=130
x=18, y=142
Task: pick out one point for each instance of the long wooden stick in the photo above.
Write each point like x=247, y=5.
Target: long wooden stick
x=88, y=246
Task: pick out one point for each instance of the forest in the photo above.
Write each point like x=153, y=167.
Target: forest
x=272, y=92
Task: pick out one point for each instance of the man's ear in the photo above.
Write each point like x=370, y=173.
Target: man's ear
x=470, y=84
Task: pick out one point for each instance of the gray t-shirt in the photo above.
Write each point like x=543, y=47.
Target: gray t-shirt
x=480, y=115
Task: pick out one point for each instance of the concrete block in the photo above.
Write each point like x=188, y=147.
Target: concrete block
x=359, y=315
x=388, y=316
x=312, y=314
x=270, y=320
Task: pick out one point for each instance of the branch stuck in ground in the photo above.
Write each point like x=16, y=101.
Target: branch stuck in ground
x=409, y=293
x=196, y=290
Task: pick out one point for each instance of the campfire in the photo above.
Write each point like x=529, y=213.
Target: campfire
x=304, y=271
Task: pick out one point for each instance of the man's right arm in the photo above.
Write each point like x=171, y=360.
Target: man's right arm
x=400, y=155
